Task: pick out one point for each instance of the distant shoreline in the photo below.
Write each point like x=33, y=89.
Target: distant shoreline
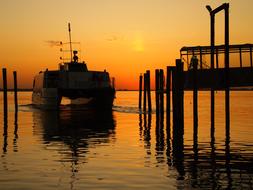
x=122, y=90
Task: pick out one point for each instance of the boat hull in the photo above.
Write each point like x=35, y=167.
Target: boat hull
x=51, y=98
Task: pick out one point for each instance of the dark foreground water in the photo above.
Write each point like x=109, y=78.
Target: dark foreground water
x=76, y=148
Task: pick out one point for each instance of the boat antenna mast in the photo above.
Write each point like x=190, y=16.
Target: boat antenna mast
x=70, y=43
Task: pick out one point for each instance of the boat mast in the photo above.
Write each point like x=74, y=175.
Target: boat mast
x=70, y=43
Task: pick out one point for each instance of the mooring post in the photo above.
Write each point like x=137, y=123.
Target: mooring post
x=178, y=114
x=162, y=93
x=145, y=93
x=251, y=64
x=227, y=78
x=217, y=58
x=4, y=72
x=212, y=15
x=157, y=82
x=240, y=52
x=195, y=99
x=140, y=91
x=178, y=98
x=15, y=90
x=148, y=91
x=168, y=87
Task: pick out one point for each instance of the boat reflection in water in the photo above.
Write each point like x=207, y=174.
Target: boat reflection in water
x=78, y=128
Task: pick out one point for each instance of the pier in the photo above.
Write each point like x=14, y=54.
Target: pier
x=193, y=73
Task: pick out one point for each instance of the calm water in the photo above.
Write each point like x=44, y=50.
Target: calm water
x=77, y=148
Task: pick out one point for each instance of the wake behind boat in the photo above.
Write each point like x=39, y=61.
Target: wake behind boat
x=74, y=81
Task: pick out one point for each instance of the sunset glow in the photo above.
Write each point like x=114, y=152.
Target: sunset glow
x=124, y=37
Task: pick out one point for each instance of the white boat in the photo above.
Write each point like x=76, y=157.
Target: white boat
x=74, y=81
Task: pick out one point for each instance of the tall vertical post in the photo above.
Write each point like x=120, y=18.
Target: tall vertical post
x=4, y=72
x=162, y=93
x=178, y=116
x=168, y=103
x=240, y=52
x=178, y=98
x=195, y=100
x=227, y=99
x=157, y=82
x=212, y=66
x=251, y=64
x=140, y=91
x=217, y=58
x=148, y=91
x=15, y=90
x=145, y=93
x=70, y=43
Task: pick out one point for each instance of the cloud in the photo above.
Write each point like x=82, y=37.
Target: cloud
x=114, y=38
x=53, y=43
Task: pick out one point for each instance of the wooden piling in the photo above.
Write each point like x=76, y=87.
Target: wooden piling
x=168, y=103
x=251, y=64
x=212, y=43
x=178, y=98
x=148, y=91
x=4, y=72
x=195, y=99
x=240, y=53
x=217, y=58
x=145, y=93
x=161, y=93
x=15, y=90
x=157, y=82
x=178, y=113
x=227, y=98
x=140, y=91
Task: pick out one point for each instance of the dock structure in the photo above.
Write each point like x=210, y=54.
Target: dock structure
x=239, y=75
x=201, y=68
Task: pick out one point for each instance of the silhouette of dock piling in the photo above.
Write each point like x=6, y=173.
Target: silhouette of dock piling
x=146, y=92
x=15, y=89
x=140, y=91
x=5, y=99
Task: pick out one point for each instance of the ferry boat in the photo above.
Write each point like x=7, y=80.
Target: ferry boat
x=74, y=81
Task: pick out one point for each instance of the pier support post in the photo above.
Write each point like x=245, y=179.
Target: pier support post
x=227, y=78
x=178, y=116
x=178, y=99
x=148, y=91
x=157, y=82
x=4, y=73
x=251, y=64
x=15, y=90
x=161, y=94
x=168, y=103
x=195, y=100
x=145, y=93
x=140, y=91
x=240, y=53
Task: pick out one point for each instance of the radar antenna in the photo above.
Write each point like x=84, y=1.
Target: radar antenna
x=70, y=43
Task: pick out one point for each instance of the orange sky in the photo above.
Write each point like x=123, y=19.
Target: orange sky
x=124, y=37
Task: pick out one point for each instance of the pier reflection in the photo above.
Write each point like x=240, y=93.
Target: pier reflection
x=6, y=131
x=198, y=164
x=77, y=128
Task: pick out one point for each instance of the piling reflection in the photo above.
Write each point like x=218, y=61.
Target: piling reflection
x=5, y=134
x=160, y=144
x=15, y=138
x=78, y=129
x=206, y=165
x=146, y=132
